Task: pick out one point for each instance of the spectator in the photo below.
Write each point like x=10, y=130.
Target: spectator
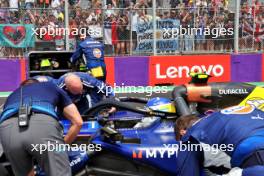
x=200, y=37
x=78, y=11
x=15, y=20
x=108, y=36
x=74, y=2
x=3, y=11
x=44, y=3
x=141, y=4
x=209, y=38
x=201, y=5
x=59, y=36
x=219, y=41
x=243, y=1
x=4, y=50
x=159, y=13
x=29, y=4
x=13, y=4
x=242, y=40
x=229, y=42
x=92, y=17
x=55, y=4
x=95, y=29
x=143, y=17
x=188, y=38
x=2, y=20
x=258, y=33
x=109, y=10
x=72, y=41
x=115, y=3
x=122, y=34
x=173, y=15
x=85, y=3
x=47, y=36
x=52, y=20
x=114, y=33
x=27, y=20
x=174, y=3
x=166, y=15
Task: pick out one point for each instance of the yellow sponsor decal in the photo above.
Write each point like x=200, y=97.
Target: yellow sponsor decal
x=255, y=99
x=97, y=72
x=165, y=108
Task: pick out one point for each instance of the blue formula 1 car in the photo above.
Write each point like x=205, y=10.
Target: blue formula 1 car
x=132, y=141
x=138, y=141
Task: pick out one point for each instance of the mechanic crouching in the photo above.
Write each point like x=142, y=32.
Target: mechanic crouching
x=29, y=120
x=84, y=90
x=231, y=142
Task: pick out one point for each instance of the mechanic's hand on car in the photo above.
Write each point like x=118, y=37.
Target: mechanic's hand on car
x=71, y=113
x=112, y=110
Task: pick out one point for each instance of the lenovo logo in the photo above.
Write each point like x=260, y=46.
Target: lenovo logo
x=184, y=71
x=176, y=69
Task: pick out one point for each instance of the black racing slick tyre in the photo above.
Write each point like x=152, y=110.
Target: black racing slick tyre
x=110, y=164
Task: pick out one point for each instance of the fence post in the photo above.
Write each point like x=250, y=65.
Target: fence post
x=236, y=27
x=131, y=33
x=66, y=17
x=103, y=10
x=154, y=28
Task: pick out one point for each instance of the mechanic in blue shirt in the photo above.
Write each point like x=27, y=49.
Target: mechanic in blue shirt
x=231, y=140
x=84, y=90
x=28, y=135
x=93, y=52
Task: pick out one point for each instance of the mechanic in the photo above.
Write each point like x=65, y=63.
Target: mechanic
x=29, y=124
x=231, y=142
x=93, y=52
x=84, y=90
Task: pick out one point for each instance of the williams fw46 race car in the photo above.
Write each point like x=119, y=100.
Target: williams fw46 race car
x=139, y=140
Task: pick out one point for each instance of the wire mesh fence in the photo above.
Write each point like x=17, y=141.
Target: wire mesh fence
x=132, y=27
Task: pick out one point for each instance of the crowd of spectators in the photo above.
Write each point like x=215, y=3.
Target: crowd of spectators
x=251, y=32
x=39, y=13
x=115, y=22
